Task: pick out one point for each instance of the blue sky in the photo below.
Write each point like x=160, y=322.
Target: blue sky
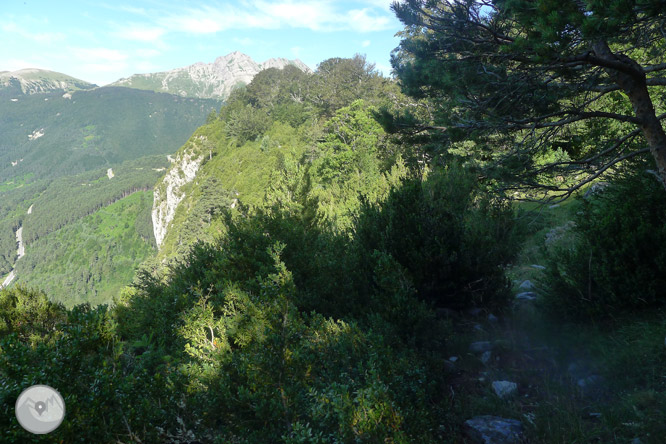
x=103, y=40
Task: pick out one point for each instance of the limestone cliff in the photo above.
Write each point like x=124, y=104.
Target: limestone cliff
x=169, y=191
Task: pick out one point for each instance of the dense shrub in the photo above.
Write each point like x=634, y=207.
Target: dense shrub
x=452, y=241
x=614, y=259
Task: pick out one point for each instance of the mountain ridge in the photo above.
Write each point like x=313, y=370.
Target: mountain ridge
x=207, y=80
x=35, y=81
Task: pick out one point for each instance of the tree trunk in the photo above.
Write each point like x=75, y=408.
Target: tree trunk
x=633, y=83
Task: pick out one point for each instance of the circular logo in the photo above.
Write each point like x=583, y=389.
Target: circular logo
x=40, y=409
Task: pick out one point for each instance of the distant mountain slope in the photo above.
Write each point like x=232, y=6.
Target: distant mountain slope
x=71, y=154
x=212, y=80
x=49, y=135
x=35, y=81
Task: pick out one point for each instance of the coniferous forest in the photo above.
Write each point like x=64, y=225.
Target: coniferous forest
x=363, y=259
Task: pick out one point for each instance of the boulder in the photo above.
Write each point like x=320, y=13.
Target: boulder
x=493, y=430
x=595, y=188
x=526, y=285
x=485, y=357
x=504, y=389
x=526, y=296
x=480, y=347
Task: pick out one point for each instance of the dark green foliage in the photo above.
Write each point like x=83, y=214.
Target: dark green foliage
x=452, y=240
x=230, y=314
x=247, y=124
x=28, y=314
x=338, y=82
x=84, y=361
x=55, y=152
x=613, y=262
x=552, y=92
x=273, y=87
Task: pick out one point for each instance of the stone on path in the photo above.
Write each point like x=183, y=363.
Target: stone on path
x=526, y=296
x=526, y=285
x=480, y=347
x=485, y=357
x=538, y=267
x=504, y=388
x=493, y=430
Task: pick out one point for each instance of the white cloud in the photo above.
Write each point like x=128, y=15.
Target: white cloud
x=39, y=37
x=384, y=69
x=210, y=20
x=99, y=54
x=363, y=20
x=383, y=4
x=296, y=51
x=146, y=53
x=146, y=67
x=365, y=43
x=97, y=68
x=245, y=41
x=316, y=15
x=16, y=64
x=141, y=33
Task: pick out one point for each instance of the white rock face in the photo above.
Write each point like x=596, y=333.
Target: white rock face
x=36, y=134
x=19, y=240
x=504, y=388
x=168, y=193
x=8, y=280
x=35, y=81
x=109, y=173
x=208, y=80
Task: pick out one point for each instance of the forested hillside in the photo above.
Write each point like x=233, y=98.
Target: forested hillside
x=297, y=141
x=472, y=252
x=66, y=155
x=50, y=135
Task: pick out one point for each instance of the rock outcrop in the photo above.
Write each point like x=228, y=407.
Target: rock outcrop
x=207, y=80
x=494, y=430
x=169, y=192
x=35, y=81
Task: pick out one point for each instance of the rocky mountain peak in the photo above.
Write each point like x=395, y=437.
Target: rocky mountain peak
x=34, y=81
x=207, y=80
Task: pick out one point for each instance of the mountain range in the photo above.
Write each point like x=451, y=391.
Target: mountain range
x=35, y=81
x=207, y=80
x=201, y=80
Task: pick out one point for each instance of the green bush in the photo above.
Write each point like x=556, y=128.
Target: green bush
x=452, y=241
x=614, y=259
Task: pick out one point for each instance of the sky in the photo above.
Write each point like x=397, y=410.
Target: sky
x=101, y=41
